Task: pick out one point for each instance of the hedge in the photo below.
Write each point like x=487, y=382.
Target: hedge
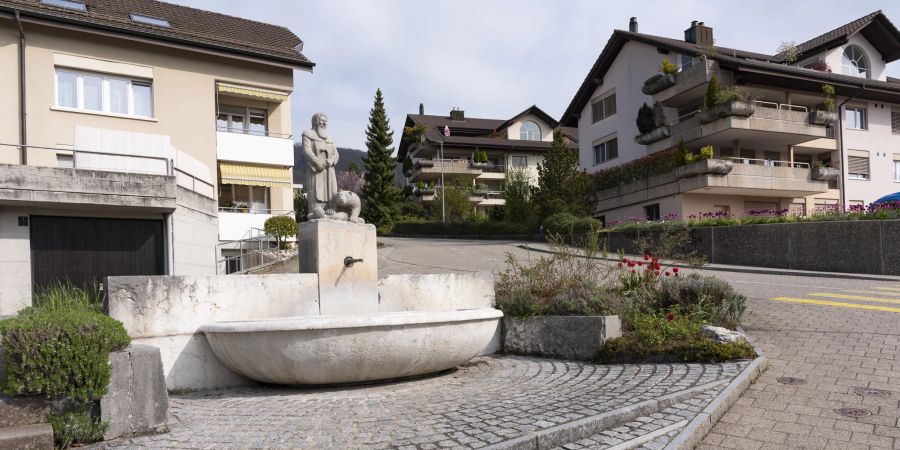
x=467, y=228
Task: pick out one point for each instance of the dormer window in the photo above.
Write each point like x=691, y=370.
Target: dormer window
x=530, y=131
x=855, y=63
x=147, y=20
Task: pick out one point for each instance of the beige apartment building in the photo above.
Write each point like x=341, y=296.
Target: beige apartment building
x=519, y=142
x=140, y=137
x=779, y=147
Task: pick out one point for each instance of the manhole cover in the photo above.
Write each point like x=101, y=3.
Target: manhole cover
x=872, y=392
x=853, y=412
x=792, y=381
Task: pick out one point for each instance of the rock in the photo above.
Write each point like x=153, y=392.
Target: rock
x=568, y=337
x=136, y=401
x=723, y=335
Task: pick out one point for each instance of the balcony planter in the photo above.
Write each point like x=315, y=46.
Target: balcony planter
x=657, y=134
x=728, y=109
x=703, y=167
x=478, y=165
x=820, y=117
x=425, y=191
x=657, y=83
x=825, y=173
x=424, y=163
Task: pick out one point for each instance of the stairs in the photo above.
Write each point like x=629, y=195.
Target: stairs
x=23, y=423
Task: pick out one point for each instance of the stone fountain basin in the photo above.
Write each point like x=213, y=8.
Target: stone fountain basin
x=351, y=348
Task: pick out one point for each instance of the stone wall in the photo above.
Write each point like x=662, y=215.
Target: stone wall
x=166, y=311
x=865, y=246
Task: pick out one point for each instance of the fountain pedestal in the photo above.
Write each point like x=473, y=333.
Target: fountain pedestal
x=343, y=289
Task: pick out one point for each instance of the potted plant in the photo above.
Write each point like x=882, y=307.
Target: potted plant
x=725, y=101
x=826, y=115
x=651, y=123
x=823, y=172
x=479, y=158
x=702, y=163
x=664, y=79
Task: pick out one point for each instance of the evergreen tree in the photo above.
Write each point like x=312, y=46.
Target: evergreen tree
x=562, y=187
x=379, y=194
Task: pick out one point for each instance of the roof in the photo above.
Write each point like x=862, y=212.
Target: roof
x=189, y=26
x=875, y=27
x=479, y=132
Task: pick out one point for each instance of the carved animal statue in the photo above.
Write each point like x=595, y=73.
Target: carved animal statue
x=349, y=203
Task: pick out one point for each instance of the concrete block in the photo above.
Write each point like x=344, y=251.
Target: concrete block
x=29, y=437
x=189, y=364
x=22, y=411
x=136, y=401
x=324, y=244
x=851, y=247
x=151, y=306
x=570, y=337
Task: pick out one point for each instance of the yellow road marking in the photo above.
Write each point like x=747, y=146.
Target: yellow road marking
x=859, y=291
x=888, y=288
x=856, y=297
x=839, y=304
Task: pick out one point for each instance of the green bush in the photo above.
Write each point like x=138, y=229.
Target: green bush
x=76, y=427
x=714, y=300
x=462, y=228
x=668, y=67
x=559, y=223
x=281, y=227
x=60, y=350
x=646, y=119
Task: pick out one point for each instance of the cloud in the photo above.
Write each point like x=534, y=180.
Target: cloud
x=494, y=58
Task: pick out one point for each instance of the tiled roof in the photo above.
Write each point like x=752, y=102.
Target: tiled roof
x=189, y=26
x=838, y=33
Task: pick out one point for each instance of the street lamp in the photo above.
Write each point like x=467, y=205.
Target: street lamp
x=443, y=201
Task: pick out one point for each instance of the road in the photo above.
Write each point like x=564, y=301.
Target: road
x=836, y=339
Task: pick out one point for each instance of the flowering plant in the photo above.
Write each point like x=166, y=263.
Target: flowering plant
x=638, y=275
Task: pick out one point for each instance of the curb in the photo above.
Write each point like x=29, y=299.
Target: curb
x=756, y=270
x=697, y=429
x=588, y=426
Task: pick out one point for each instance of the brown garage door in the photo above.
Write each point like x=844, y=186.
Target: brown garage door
x=84, y=250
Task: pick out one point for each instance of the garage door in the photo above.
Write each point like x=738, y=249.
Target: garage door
x=84, y=250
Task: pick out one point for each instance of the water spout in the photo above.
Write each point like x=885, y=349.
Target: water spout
x=349, y=261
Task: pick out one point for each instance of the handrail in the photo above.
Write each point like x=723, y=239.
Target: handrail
x=688, y=115
x=249, y=210
x=170, y=167
x=769, y=162
x=253, y=132
x=781, y=106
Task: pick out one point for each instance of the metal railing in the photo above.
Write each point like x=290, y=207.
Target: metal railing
x=768, y=162
x=780, y=106
x=252, y=210
x=197, y=185
x=169, y=166
x=253, y=132
x=260, y=249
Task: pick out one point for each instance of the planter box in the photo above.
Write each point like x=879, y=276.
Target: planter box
x=704, y=167
x=657, y=134
x=568, y=337
x=424, y=163
x=658, y=83
x=729, y=109
x=825, y=173
x=478, y=165
x=822, y=117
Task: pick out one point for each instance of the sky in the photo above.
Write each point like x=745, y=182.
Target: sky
x=494, y=58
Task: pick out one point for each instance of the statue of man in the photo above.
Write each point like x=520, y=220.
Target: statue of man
x=321, y=157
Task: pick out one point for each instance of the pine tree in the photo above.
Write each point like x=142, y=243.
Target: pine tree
x=562, y=187
x=379, y=195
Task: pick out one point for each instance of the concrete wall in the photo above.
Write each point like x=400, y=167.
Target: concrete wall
x=846, y=247
x=15, y=262
x=194, y=234
x=166, y=312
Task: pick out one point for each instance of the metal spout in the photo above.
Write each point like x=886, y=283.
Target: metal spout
x=349, y=261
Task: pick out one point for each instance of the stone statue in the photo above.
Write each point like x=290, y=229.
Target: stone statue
x=322, y=195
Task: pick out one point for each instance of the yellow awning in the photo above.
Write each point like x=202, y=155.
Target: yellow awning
x=254, y=174
x=253, y=92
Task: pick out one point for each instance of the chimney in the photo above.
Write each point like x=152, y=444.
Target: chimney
x=632, y=25
x=699, y=34
x=457, y=115
x=421, y=109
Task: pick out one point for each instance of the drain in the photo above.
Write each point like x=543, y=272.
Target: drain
x=853, y=412
x=872, y=392
x=790, y=381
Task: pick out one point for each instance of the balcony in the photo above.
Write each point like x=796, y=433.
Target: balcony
x=733, y=176
x=755, y=124
x=266, y=148
x=688, y=86
x=431, y=169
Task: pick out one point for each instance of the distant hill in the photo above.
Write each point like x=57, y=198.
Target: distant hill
x=346, y=156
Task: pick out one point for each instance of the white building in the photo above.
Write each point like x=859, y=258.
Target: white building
x=775, y=140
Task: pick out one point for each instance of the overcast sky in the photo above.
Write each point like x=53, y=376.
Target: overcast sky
x=494, y=58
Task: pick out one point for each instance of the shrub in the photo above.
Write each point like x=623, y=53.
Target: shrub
x=61, y=350
x=559, y=223
x=828, y=97
x=707, y=152
x=76, y=427
x=646, y=119
x=281, y=227
x=683, y=155
x=668, y=67
x=714, y=300
x=712, y=92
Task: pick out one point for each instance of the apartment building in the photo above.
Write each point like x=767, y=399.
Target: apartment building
x=780, y=145
x=477, y=153
x=138, y=136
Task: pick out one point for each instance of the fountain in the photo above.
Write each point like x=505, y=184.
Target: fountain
x=352, y=339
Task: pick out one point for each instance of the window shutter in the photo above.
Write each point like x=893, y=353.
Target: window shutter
x=858, y=165
x=895, y=122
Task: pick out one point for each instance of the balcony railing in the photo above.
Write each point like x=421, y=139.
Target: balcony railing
x=95, y=160
x=252, y=210
x=767, y=162
x=253, y=132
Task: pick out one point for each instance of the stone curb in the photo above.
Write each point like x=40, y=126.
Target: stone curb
x=755, y=270
x=588, y=426
x=697, y=429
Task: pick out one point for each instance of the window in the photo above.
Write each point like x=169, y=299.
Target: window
x=238, y=119
x=244, y=199
x=519, y=161
x=603, y=108
x=856, y=118
x=897, y=171
x=855, y=63
x=857, y=167
x=652, y=211
x=68, y=4
x=147, y=20
x=606, y=151
x=530, y=131
x=895, y=122
x=86, y=91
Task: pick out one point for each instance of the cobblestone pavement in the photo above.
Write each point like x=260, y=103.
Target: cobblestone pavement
x=834, y=347
x=487, y=401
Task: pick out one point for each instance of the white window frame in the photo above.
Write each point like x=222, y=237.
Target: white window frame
x=848, y=65
x=105, y=93
x=530, y=134
x=605, y=143
x=863, y=115
x=601, y=99
x=860, y=176
x=897, y=171
x=513, y=158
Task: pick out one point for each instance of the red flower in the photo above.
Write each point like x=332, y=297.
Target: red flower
x=633, y=271
x=640, y=264
x=670, y=317
x=646, y=257
x=630, y=263
x=675, y=269
x=667, y=273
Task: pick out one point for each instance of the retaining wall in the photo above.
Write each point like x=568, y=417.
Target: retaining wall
x=865, y=246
